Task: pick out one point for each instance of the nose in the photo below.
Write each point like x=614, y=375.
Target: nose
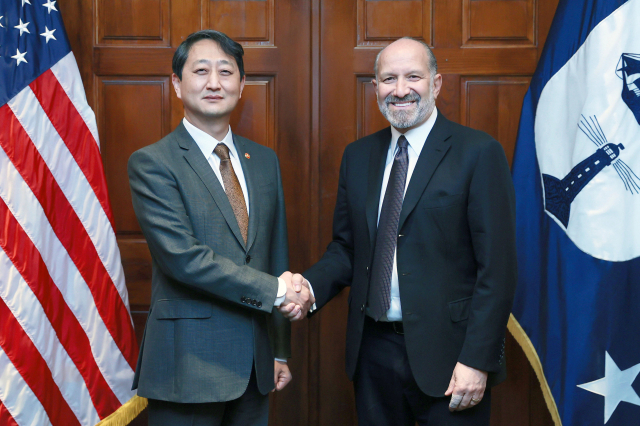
x=213, y=83
x=402, y=88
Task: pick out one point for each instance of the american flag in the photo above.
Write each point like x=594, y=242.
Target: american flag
x=67, y=343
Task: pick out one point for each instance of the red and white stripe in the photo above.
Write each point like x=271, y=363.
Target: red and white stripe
x=68, y=348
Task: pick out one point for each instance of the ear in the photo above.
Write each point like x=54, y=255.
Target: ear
x=374, y=81
x=437, y=85
x=244, y=79
x=176, y=84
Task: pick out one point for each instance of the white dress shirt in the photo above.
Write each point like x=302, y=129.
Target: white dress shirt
x=416, y=138
x=207, y=144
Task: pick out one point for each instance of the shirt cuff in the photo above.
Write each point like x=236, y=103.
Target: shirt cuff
x=281, y=360
x=282, y=292
x=313, y=307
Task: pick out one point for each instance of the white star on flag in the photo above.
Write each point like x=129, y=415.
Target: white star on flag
x=615, y=386
x=25, y=1
x=22, y=27
x=48, y=34
x=50, y=5
x=20, y=57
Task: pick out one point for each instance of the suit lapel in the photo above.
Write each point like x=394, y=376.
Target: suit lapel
x=201, y=166
x=377, y=160
x=435, y=147
x=250, y=179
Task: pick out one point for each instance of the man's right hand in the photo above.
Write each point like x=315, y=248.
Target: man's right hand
x=298, y=299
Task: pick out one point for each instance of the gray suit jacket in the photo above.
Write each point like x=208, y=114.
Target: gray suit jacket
x=212, y=297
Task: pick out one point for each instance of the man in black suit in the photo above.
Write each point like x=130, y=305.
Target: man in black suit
x=424, y=235
x=211, y=206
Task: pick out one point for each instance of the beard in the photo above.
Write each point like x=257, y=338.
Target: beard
x=401, y=119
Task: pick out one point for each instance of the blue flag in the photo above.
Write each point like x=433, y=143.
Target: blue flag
x=576, y=172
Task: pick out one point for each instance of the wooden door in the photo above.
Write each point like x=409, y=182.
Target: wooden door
x=309, y=65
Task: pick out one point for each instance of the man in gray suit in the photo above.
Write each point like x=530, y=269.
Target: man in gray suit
x=211, y=206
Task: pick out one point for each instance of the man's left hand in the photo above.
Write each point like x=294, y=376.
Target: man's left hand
x=466, y=387
x=282, y=375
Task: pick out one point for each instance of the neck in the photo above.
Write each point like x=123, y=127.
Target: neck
x=217, y=127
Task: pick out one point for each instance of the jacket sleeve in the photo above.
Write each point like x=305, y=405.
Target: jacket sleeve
x=334, y=271
x=281, y=338
x=165, y=224
x=491, y=217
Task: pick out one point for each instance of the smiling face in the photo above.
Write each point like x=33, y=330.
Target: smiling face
x=211, y=85
x=405, y=89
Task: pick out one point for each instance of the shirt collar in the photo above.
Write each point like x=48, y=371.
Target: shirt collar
x=206, y=142
x=416, y=136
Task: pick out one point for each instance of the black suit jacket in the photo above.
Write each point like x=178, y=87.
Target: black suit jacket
x=455, y=251
x=212, y=295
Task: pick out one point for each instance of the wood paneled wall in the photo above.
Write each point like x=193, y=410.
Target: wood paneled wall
x=309, y=67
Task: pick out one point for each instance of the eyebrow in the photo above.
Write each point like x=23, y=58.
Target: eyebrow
x=207, y=61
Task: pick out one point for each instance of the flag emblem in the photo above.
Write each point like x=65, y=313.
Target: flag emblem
x=559, y=194
x=594, y=100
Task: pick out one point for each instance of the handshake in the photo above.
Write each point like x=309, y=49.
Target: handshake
x=298, y=298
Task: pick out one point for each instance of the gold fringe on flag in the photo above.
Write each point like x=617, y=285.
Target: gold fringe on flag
x=523, y=340
x=126, y=413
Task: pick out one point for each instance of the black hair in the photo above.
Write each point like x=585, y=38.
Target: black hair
x=227, y=45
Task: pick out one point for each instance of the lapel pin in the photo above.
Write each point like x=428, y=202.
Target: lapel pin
x=246, y=155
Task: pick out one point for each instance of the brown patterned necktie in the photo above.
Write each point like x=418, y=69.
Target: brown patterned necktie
x=233, y=189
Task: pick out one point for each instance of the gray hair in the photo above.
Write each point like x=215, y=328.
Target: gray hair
x=433, y=64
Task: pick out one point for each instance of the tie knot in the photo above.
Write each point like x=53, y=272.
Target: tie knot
x=222, y=151
x=402, y=142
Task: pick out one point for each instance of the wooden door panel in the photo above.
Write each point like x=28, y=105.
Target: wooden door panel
x=132, y=113
x=499, y=23
x=254, y=117
x=448, y=102
x=133, y=22
x=492, y=104
x=381, y=22
x=247, y=21
x=369, y=117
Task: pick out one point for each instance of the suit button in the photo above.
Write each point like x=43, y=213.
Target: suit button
x=259, y=305
x=243, y=299
x=362, y=308
x=248, y=259
x=253, y=302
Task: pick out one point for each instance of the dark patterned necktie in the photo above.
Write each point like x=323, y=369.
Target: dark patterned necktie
x=233, y=189
x=387, y=237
